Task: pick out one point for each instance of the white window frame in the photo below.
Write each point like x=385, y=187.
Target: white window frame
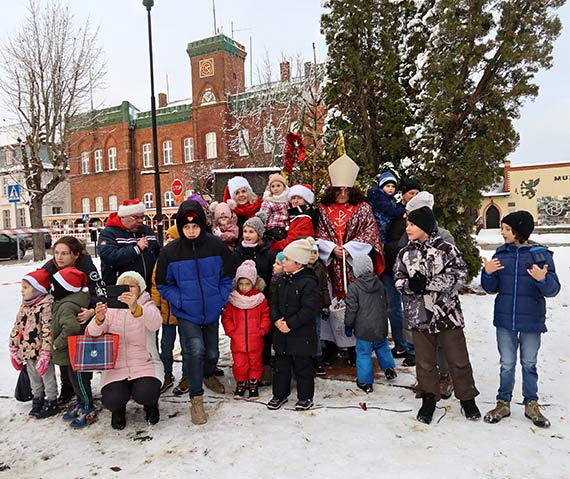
x=147, y=155
x=98, y=154
x=112, y=158
x=167, y=152
x=85, y=205
x=243, y=142
x=113, y=203
x=84, y=162
x=148, y=200
x=99, y=204
x=188, y=149
x=211, y=145
x=168, y=199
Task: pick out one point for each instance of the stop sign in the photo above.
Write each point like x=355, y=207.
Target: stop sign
x=176, y=187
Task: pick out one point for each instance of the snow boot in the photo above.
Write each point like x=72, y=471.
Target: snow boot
x=239, y=393
x=503, y=409
x=275, y=403
x=214, y=384
x=72, y=412
x=49, y=409
x=119, y=419
x=37, y=405
x=445, y=386
x=182, y=388
x=396, y=354
x=253, y=391
x=167, y=383
x=197, y=410
x=471, y=410
x=409, y=361
x=152, y=414
x=367, y=388
x=532, y=411
x=390, y=374
x=425, y=414
x=85, y=418
x=303, y=405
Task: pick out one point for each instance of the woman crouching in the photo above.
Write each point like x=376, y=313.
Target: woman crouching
x=138, y=371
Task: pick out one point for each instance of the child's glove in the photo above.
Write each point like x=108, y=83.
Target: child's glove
x=17, y=363
x=348, y=332
x=418, y=283
x=325, y=314
x=43, y=362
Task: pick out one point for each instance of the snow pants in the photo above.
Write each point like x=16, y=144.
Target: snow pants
x=247, y=365
x=302, y=367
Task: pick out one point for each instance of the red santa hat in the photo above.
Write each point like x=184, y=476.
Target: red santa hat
x=131, y=207
x=304, y=191
x=39, y=280
x=70, y=279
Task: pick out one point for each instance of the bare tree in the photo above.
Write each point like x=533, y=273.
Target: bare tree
x=49, y=71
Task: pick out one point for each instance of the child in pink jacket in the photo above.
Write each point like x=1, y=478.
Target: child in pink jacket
x=138, y=372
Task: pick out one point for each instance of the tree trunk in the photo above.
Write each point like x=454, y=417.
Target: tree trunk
x=37, y=222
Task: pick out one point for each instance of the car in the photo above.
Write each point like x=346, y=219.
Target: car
x=9, y=247
x=27, y=237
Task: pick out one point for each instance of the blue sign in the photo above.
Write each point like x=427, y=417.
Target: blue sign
x=14, y=193
x=85, y=217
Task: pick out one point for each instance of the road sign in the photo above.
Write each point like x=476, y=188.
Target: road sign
x=85, y=217
x=177, y=187
x=14, y=193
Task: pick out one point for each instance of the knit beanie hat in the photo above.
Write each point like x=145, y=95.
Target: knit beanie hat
x=362, y=264
x=257, y=222
x=237, y=183
x=247, y=270
x=39, y=280
x=423, y=218
x=222, y=209
x=411, y=184
x=198, y=198
x=280, y=256
x=387, y=177
x=68, y=280
x=276, y=177
x=423, y=198
x=173, y=232
x=300, y=250
x=131, y=207
x=521, y=222
x=135, y=277
x=304, y=191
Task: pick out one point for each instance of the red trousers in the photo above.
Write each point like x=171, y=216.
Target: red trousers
x=247, y=365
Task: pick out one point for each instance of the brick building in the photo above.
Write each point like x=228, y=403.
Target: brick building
x=110, y=150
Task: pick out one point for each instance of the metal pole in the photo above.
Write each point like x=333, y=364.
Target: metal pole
x=157, y=191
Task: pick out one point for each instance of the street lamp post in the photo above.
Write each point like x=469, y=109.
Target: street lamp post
x=158, y=218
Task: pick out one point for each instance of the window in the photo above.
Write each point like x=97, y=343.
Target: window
x=188, y=150
x=147, y=199
x=6, y=219
x=243, y=142
x=268, y=139
x=98, y=161
x=84, y=162
x=56, y=210
x=112, y=156
x=168, y=199
x=85, y=205
x=113, y=203
x=147, y=156
x=99, y=204
x=21, y=218
x=167, y=152
x=5, y=183
x=211, y=147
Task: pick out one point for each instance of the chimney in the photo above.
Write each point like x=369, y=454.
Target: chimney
x=162, y=100
x=285, y=70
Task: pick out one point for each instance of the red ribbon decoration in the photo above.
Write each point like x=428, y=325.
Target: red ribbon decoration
x=294, y=150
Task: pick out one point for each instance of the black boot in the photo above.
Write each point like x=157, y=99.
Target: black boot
x=37, y=404
x=425, y=414
x=49, y=409
x=152, y=414
x=119, y=419
x=471, y=410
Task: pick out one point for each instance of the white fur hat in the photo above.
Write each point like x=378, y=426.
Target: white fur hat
x=237, y=183
x=131, y=207
x=134, y=276
x=423, y=198
x=304, y=191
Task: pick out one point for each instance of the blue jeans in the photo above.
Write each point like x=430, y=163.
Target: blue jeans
x=199, y=352
x=364, y=366
x=508, y=342
x=395, y=314
x=167, y=345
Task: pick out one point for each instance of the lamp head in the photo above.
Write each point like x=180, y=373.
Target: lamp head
x=148, y=4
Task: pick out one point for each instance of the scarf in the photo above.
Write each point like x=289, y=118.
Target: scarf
x=282, y=198
x=38, y=296
x=246, y=301
x=249, y=209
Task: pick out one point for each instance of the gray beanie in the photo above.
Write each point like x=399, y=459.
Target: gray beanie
x=257, y=222
x=423, y=198
x=361, y=265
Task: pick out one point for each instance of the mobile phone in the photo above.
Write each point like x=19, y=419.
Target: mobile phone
x=113, y=292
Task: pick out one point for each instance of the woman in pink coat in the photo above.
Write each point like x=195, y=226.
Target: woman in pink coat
x=138, y=372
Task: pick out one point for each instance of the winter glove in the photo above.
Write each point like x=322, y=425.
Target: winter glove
x=348, y=332
x=325, y=314
x=43, y=362
x=418, y=283
x=16, y=361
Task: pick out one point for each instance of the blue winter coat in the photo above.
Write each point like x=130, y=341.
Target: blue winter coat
x=195, y=276
x=520, y=304
x=385, y=208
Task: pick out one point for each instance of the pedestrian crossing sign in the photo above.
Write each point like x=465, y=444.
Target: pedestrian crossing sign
x=14, y=193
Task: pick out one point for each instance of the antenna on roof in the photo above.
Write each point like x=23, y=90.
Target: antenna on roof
x=214, y=11
x=167, y=87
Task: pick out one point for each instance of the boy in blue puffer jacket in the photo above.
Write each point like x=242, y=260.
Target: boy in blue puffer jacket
x=194, y=274
x=385, y=206
x=523, y=275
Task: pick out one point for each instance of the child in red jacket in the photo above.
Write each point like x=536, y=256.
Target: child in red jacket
x=246, y=321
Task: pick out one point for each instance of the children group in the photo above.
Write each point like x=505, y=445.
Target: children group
x=257, y=264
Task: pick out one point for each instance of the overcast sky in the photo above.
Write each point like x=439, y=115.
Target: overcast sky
x=276, y=29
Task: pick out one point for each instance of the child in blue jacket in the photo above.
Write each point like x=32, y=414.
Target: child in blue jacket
x=385, y=206
x=523, y=275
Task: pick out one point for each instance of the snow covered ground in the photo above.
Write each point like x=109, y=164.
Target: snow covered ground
x=338, y=439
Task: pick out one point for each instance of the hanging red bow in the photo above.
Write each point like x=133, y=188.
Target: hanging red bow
x=294, y=150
